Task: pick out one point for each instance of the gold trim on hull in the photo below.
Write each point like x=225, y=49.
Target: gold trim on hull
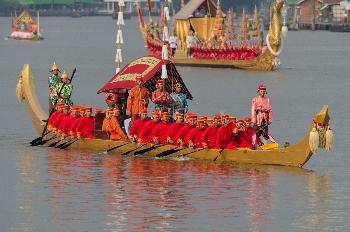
x=296, y=155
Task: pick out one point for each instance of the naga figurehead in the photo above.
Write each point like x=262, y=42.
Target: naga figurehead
x=274, y=35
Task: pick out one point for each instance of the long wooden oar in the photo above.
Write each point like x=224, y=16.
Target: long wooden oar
x=55, y=143
x=113, y=148
x=38, y=140
x=173, y=150
x=71, y=141
x=42, y=142
x=150, y=148
x=53, y=109
x=126, y=153
x=170, y=151
x=194, y=151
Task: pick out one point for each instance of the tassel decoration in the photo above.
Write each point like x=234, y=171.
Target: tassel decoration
x=118, y=56
x=313, y=140
x=165, y=34
x=329, y=139
x=164, y=72
x=119, y=39
x=117, y=70
x=165, y=54
x=284, y=31
x=121, y=3
x=166, y=13
x=120, y=20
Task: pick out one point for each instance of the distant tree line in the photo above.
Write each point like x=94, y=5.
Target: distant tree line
x=8, y=5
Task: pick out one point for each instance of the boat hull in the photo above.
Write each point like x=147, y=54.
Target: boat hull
x=296, y=155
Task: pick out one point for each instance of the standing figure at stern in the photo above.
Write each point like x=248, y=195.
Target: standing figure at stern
x=261, y=115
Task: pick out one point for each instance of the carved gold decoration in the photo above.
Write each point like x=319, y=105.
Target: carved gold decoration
x=275, y=26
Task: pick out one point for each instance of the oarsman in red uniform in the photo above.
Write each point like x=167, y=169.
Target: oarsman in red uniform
x=204, y=119
x=244, y=135
x=138, y=99
x=147, y=133
x=87, y=124
x=195, y=138
x=73, y=130
x=73, y=122
x=62, y=120
x=160, y=132
x=54, y=115
x=175, y=127
x=66, y=127
x=183, y=132
x=211, y=132
x=137, y=126
x=226, y=138
x=55, y=123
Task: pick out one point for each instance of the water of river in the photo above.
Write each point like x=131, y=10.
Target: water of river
x=45, y=189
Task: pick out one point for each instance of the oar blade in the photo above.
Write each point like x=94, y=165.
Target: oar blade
x=147, y=149
x=169, y=152
x=36, y=141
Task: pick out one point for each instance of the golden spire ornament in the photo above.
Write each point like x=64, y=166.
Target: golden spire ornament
x=218, y=24
x=244, y=36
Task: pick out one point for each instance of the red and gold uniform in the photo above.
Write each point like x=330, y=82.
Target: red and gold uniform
x=160, y=131
x=174, y=128
x=54, y=115
x=244, y=139
x=225, y=137
x=195, y=138
x=211, y=132
x=87, y=124
x=62, y=120
x=148, y=131
x=138, y=99
x=74, y=128
x=180, y=136
x=137, y=126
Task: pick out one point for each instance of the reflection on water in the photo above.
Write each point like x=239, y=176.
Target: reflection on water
x=82, y=191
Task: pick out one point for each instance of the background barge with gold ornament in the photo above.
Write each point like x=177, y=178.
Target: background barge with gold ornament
x=217, y=44
x=24, y=27
x=150, y=68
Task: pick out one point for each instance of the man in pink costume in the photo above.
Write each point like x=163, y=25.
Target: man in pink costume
x=261, y=114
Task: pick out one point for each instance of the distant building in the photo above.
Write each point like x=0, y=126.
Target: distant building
x=318, y=13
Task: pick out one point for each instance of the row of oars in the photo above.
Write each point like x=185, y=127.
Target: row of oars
x=173, y=151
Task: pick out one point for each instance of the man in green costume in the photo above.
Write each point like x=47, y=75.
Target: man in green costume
x=66, y=92
x=53, y=80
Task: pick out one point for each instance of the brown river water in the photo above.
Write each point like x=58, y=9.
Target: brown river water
x=45, y=189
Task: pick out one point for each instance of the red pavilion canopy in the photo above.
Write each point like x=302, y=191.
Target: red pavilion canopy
x=150, y=68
